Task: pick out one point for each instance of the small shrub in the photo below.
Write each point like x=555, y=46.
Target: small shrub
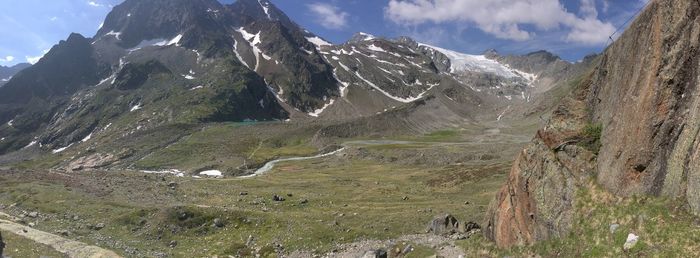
x=590, y=137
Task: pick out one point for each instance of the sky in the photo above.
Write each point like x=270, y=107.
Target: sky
x=571, y=29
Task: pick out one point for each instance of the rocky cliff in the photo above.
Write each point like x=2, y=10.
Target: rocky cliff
x=631, y=125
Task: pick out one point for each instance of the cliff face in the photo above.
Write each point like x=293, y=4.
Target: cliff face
x=643, y=97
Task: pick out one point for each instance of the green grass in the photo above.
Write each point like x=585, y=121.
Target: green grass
x=442, y=135
x=228, y=147
x=348, y=201
x=17, y=246
x=664, y=227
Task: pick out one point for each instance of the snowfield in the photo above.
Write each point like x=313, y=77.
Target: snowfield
x=479, y=63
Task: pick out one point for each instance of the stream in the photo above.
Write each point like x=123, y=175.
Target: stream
x=270, y=165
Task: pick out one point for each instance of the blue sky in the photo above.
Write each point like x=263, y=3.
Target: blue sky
x=569, y=28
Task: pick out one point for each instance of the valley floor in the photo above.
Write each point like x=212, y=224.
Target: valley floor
x=375, y=193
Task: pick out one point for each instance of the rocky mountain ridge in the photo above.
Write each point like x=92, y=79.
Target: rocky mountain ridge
x=630, y=126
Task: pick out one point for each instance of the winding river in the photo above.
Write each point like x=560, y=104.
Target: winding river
x=270, y=165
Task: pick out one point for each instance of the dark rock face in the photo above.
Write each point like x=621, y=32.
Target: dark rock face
x=132, y=76
x=136, y=20
x=304, y=78
x=644, y=96
x=65, y=69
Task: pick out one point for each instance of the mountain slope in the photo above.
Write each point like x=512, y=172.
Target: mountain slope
x=6, y=72
x=178, y=65
x=630, y=125
x=180, y=68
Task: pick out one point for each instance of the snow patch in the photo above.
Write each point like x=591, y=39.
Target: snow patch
x=254, y=40
x=318, y=112
x=198, y=87
x=306, y=51
x=500, y=116
x=266, y=9
x=376, y=48
x=384, y=70
x=366, y=36
x=399, y=99
x=319, y=42
x=189, y=77
x=11, y=122
x=134, y=108
x=157, y=43
x=344, y=85
x=115, y=34
x=344, y=67
x=175, y=40
x=212, y=173
x=59, y=150
x=30, y=144
x=87, y=138
x=175, y=172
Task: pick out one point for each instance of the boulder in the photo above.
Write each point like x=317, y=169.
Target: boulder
x=99, y=226
x=613, y=228
x=444, y=225
x=218, y=223
x=375, y=254
x=631, y=241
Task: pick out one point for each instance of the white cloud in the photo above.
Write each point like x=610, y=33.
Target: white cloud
x=606, y=6
x=53, y=18
x=588, y=9
x=7, y=59
x=329, y=16
x=35, y=59
x=505, y=19
x=93, y=3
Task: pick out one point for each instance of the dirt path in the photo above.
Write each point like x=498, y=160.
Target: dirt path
x=69, y=247
x=445, y=247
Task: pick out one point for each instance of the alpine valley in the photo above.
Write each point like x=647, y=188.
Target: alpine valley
x=190, y=128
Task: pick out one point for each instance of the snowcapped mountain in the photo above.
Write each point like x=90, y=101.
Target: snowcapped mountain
x=159, y=63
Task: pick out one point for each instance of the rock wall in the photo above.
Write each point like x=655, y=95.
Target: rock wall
x=644, y=95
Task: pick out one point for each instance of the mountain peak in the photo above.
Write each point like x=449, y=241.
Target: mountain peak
x=544, y=54
x=260, y=10
x=361, y=36
x=135, y=20
x=491, y=53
